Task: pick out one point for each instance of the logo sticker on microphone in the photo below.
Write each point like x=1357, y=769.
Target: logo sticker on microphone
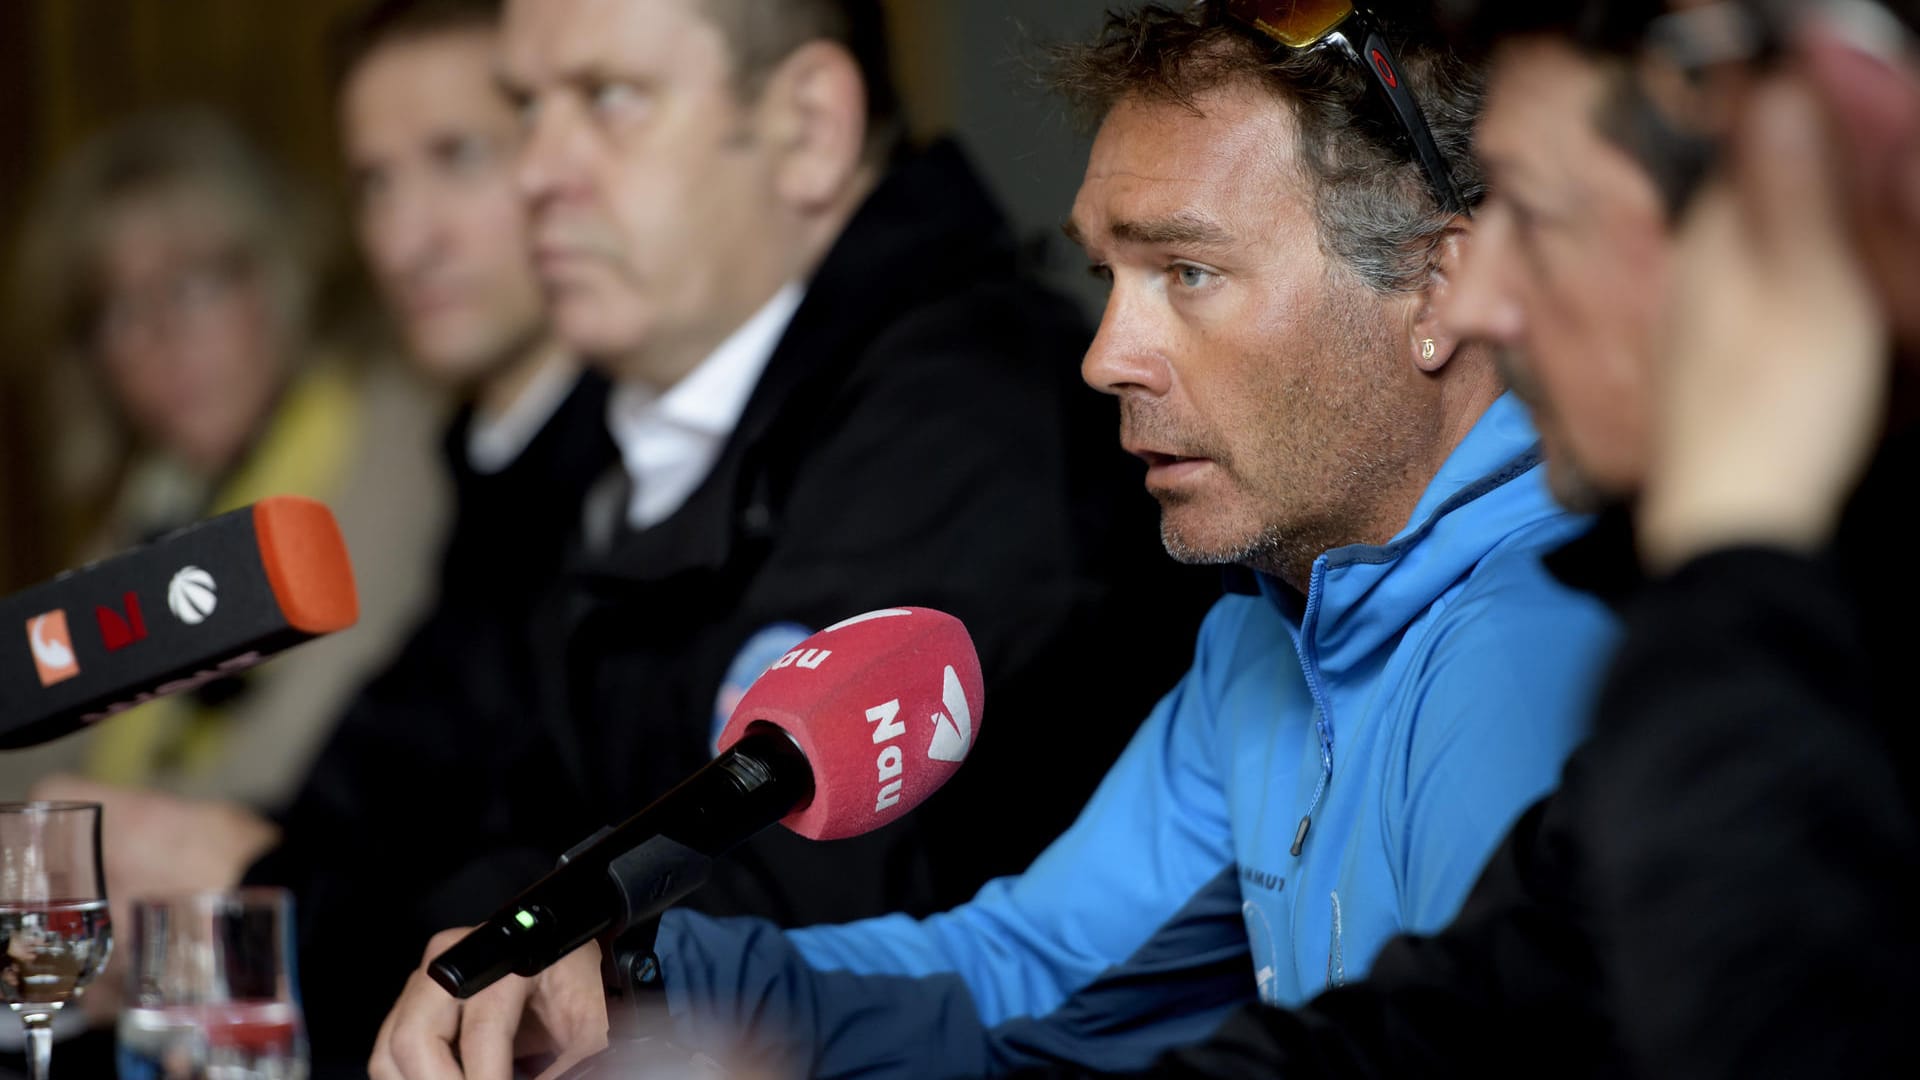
x=119, y=629
x=192, y=595
x=52, y=647
x=953, y=729
x=891, y=763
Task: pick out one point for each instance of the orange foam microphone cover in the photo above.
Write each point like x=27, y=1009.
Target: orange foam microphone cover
x=202, y=603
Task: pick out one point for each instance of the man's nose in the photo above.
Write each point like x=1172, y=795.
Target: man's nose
x=1129, y=353
x=550, y=156
x=406, y=231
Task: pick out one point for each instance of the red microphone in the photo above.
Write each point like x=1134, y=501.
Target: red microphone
x=846, y=733
x=884, y=706
x=207, y=601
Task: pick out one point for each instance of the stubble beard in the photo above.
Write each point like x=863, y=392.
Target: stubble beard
x=1336, y=470
x=1292, y=528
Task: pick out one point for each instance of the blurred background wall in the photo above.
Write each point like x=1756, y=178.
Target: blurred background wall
x=70, y=68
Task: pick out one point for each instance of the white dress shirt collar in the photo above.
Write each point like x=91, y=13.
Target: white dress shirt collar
x=496, y=440
x=669, y=442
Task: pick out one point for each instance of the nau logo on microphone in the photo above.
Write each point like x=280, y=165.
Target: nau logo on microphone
x=810, y=659
x=953, y=729
x=952, y=738
x=192, y=595
x=52, y=648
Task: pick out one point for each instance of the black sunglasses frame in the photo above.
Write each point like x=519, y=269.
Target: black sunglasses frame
x=1357, y=37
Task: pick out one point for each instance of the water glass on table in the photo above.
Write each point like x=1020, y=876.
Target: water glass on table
x=54, y=930
x=210, y=990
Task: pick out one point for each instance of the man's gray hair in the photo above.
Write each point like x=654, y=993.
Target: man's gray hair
x=1378, y=216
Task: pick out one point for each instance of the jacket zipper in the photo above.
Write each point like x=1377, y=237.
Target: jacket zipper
x=1323, y=717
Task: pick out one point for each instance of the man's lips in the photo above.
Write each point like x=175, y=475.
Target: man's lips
x=422, y=303
x=553, y=256
x=1164, y=468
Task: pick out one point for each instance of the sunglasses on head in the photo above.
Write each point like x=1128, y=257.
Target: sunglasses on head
x=1347, y=29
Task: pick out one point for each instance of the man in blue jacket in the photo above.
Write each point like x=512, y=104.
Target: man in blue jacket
x=1394, y=678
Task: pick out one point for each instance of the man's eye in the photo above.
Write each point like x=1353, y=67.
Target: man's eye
x=1192, y=277
x=616, y=97
x=525, y=107
x=470, y=153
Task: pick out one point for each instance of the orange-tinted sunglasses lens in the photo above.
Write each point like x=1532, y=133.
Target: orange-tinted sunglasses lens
x=1293, y=23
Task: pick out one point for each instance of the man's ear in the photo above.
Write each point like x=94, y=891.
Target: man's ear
x=1431, y=343
x=814, y=118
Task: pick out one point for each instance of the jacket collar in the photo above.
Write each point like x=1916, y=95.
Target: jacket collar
x=1364, y=596
x=927, y=230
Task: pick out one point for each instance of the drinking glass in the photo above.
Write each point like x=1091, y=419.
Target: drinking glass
x=54, y=929
x=210, y=989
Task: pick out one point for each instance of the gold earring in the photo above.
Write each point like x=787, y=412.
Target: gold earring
x=1428, y=349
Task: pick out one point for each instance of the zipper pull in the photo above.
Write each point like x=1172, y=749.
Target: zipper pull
x=1300, y=835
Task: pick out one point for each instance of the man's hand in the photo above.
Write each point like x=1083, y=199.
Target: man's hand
x=154, y=844
x=430, y=1035
x=1776, y=362
x=158, y=843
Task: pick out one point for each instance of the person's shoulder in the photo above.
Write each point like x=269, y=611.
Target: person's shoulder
x=1514, y=633
x=1514, y=577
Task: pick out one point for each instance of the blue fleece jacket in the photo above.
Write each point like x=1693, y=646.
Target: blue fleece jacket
x=1332, y=771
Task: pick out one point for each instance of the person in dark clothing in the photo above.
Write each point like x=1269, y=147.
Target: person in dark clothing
x=430, y=146
x=1763, y=699
x=1724, y=884
x=1362, y=725
x=836, y=389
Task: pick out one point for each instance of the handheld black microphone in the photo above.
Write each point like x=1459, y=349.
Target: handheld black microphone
x=846, y=733
x=208, y=601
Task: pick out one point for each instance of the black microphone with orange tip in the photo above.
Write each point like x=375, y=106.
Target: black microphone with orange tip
x=208, y=601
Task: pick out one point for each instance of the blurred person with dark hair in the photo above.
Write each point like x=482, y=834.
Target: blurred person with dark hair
x=1394, y=677
x=430, y=145
x=171, y=273
x=1753, y=803
x=1724, y=884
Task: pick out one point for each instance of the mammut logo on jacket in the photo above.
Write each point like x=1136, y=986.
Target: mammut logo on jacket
x=1260, y=879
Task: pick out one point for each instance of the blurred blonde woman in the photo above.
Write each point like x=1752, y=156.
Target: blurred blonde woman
x=170, y=275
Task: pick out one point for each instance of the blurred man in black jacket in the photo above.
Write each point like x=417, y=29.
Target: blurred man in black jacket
x=430, y=146
x=835, y=390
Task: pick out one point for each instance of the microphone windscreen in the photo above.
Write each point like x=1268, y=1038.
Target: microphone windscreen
x=199, y=604
x=885, y=706
x=307, y=564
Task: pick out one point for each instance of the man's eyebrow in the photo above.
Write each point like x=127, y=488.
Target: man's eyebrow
x=1186, y=230
x=1182, y=230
